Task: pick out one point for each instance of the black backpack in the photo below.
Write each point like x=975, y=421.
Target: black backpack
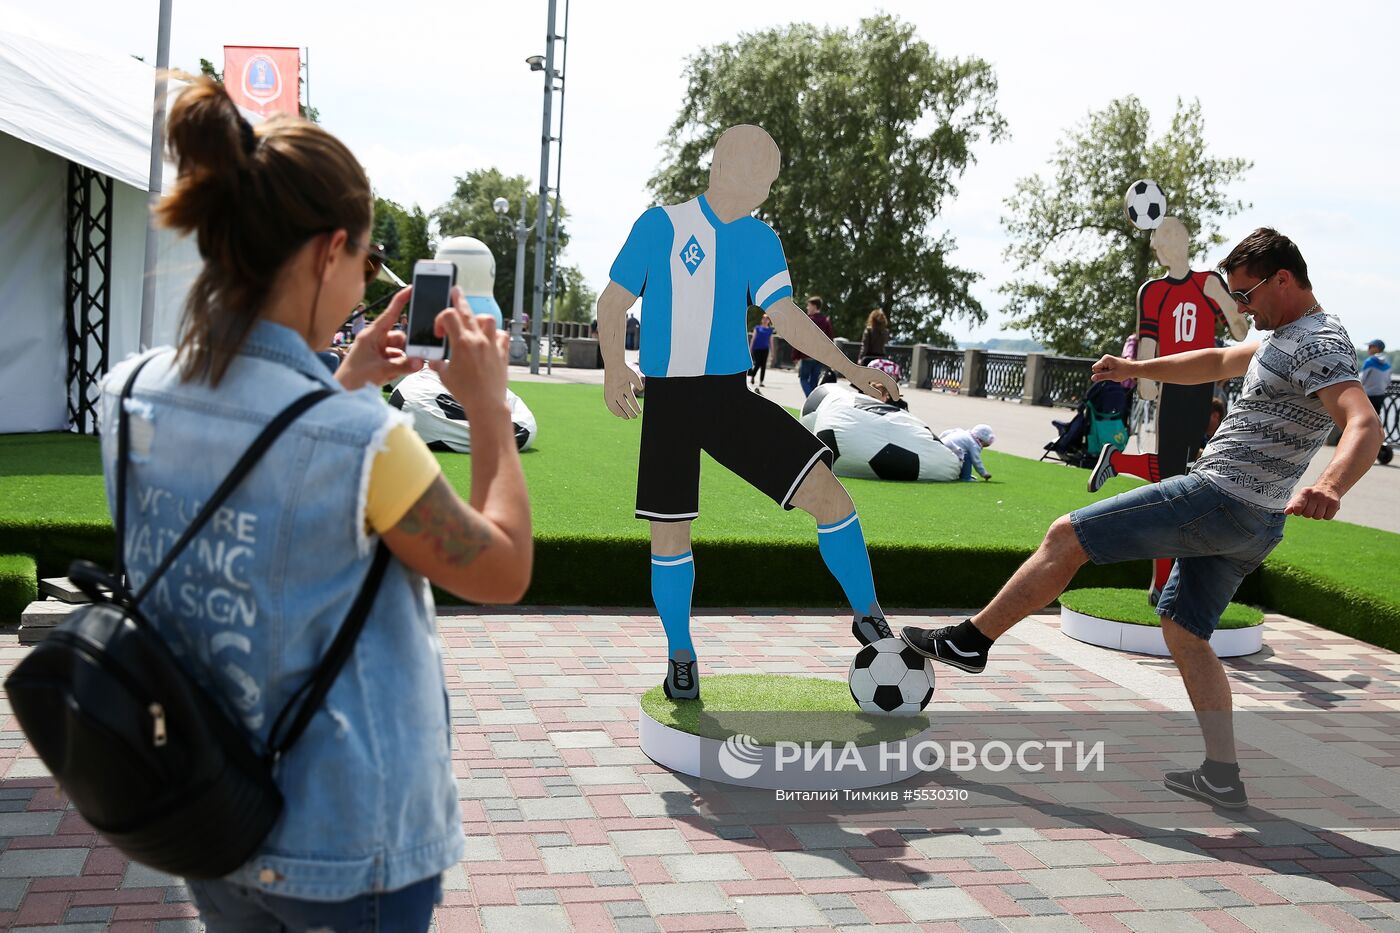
x=149, y=758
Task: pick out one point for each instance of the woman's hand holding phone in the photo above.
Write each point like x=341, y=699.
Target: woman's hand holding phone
x=378, y=355
x=478, y=357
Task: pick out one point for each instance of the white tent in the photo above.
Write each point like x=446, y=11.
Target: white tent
x=62, y=104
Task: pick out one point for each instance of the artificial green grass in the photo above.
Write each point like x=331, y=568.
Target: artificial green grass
x=777, y=707
x=19, y=585
x=931, y=544
x=1131, y=606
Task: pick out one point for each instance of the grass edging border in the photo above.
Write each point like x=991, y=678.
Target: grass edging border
x=19, y=586
x=599, y=570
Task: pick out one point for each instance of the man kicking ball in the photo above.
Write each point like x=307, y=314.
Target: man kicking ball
x=698, y=267
x=1224, y=517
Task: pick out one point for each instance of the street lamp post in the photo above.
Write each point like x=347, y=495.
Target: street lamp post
x=517, y=339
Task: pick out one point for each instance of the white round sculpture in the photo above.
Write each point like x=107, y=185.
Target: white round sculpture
x=442, y=423
x=874, y=440
x=476, y=273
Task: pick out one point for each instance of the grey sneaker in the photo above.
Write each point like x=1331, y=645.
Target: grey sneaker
x=682, y=679
x=1103, y=470
x=870, y=629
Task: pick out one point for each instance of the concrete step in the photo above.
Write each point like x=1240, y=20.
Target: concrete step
x=39, y=618
x=61, y=588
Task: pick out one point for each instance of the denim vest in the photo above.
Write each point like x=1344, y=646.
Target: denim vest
x=254, y=602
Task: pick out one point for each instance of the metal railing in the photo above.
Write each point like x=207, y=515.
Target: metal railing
x=945, y=370
x=1064, y=380
x=1005, y=375
x=1390, y=413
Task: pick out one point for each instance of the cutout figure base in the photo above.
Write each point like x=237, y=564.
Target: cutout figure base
x=1139, y=637
x=879, y=751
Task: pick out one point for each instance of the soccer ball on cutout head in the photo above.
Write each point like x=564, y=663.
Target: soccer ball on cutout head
x=1145, y=205
x=891, y=679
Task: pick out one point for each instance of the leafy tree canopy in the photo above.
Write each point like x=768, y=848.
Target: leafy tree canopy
x=875, y=130
x=1080, y=261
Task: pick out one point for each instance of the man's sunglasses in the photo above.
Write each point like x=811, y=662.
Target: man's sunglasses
x=1242, y=297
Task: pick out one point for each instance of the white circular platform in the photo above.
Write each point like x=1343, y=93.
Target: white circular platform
x=747, y=764
x=1147, y=639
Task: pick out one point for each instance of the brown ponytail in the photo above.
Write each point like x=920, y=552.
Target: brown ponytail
x=251, y=196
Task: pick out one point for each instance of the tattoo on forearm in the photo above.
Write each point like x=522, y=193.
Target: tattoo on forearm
x=457, y=536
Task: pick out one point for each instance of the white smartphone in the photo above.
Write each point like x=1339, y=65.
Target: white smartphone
x=432, y=291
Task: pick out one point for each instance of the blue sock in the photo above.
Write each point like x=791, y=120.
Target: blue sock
x=672, y=580
x=842, y=546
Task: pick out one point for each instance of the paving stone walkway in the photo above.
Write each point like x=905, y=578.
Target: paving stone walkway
x=571, y=827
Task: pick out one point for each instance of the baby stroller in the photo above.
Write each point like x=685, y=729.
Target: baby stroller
x=1102, y=418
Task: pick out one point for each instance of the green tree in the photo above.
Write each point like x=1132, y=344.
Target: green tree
x=1080, y=261
x=875, y=129
x=469, y=212
x=403, y=233
x=576, y=301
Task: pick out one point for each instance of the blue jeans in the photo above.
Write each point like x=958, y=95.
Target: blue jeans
x=231, y=908
x=966, y=474
x=1216, y=539
x=809, y=373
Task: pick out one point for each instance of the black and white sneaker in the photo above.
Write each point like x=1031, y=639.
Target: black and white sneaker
x=682, y=678
x=1103, y=471
x=1195, y=784
x=936, y=644
x=870, y=629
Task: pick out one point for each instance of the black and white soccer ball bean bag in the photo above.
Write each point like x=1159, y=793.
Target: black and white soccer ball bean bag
x=442, y=423
x=875, y=440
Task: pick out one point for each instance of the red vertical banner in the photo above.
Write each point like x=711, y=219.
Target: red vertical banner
x=263, y=80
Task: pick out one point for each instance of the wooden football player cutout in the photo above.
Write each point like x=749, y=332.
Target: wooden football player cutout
x=1176, y=313
x=698, y=267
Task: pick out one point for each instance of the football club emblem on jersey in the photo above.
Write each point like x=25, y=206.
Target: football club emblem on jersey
x=692, y=255
x=261, y=79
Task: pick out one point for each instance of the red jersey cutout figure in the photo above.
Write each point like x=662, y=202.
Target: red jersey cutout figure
x=1177, y=313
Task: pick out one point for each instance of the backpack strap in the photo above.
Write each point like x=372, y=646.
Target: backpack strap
x=123, y=450
x=240, y=469
x=310, y=694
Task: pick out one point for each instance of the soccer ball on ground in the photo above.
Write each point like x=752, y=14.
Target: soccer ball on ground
x=889, y=678
x=1145, y=205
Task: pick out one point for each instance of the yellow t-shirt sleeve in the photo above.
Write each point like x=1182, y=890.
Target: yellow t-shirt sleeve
x=399, y=476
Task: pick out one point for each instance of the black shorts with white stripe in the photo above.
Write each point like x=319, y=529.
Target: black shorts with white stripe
x=746, y=433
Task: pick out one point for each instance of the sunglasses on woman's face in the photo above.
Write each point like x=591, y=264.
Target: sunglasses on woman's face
x=374, y=259
x=1242, y=297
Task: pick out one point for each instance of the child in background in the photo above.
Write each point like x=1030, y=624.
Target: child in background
x=968, y=445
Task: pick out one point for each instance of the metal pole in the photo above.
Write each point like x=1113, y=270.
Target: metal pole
x=308, y=81
x=517, y=340
x=558, y=175
x=148, y=278
x=541, y=220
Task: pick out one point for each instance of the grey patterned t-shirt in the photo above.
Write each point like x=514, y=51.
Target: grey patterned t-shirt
x=1270, y=435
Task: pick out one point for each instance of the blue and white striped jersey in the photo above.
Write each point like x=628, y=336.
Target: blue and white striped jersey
x=697, y=278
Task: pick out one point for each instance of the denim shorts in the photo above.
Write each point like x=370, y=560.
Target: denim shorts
x=1216, y=539
x=232, y=908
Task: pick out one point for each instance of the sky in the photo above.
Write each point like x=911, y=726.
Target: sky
x=423, y=92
